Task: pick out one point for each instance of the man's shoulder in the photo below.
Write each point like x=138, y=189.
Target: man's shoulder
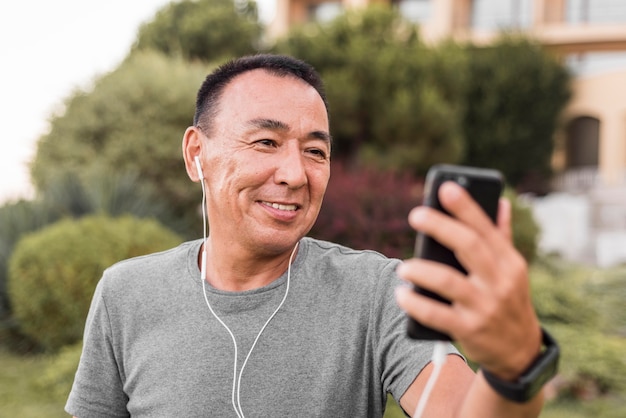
x=151, y=266
x=339, y=250
x=357, y=279
x=344, y=257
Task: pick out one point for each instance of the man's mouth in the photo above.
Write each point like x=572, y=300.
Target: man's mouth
x=280, y=206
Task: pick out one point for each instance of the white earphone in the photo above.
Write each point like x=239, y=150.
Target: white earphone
x=199, y=167
x=236, y=389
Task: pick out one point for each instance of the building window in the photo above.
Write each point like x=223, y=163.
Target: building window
x=501, y=14
x=325, y=12
x=596, y=11
x=417, y=11
x=594, y=63
x=582, y=142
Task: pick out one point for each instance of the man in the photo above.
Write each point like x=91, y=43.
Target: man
x=258, y=320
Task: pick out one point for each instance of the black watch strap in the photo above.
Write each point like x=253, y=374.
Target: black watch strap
x=543, y=368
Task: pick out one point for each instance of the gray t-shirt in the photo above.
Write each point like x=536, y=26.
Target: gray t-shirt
x=337, y=346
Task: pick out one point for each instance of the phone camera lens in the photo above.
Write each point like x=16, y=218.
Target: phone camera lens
x=462, y=181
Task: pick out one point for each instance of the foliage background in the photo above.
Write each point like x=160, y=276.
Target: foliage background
x=397, y=106
x=131, y=121
x=514, y=110
x=409, y=115
x=53, y=272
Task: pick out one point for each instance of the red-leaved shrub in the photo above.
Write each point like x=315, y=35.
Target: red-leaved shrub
x=365, y=208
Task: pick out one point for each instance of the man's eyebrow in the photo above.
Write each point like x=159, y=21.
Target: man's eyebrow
x=273, y=124
x=324, y=136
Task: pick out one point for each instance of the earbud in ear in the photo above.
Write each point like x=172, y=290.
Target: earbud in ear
x=199, y=167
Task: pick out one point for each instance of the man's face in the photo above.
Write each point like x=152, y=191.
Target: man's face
x=267, y=162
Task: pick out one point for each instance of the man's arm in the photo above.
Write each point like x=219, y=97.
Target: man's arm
x=97, y=387
x=459, y=392
x=491, y=314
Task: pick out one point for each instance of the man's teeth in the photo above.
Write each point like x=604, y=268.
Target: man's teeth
x=280, y=207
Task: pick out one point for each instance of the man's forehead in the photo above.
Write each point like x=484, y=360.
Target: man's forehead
x=260, y=78
x=259, y=94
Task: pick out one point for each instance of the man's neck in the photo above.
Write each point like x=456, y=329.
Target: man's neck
x=235, y=269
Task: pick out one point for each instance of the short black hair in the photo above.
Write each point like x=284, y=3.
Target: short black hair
x=210, y=91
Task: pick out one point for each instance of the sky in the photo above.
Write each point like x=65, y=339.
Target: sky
x=49, y=48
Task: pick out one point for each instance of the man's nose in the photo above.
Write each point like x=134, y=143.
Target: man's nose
x=290, y=168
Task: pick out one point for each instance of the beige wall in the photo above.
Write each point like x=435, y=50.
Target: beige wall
x=604, y=97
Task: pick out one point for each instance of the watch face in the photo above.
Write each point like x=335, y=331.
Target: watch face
x=547, y=369
x=533, y=379
x=542, y=369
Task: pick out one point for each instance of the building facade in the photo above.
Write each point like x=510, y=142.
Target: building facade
x=590, y=155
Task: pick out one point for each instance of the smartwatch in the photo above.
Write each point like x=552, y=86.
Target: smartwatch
x=542, y=369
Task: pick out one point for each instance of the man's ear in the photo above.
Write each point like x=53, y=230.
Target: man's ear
x=192, y=148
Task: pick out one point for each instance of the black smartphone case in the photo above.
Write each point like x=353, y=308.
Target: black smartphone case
x=485, y=186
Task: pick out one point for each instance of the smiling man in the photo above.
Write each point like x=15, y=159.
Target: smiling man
x=266, y=194
x=258, y=320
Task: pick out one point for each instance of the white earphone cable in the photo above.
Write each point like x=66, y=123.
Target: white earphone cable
x=235, y=400
x=203, y=279
x=438, y=360
x=293, y=252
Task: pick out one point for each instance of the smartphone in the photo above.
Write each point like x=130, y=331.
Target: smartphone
x=485, y=186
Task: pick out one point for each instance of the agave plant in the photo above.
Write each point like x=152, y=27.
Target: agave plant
x=71, y=196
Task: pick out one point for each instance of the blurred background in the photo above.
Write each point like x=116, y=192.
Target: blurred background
x=96, y=96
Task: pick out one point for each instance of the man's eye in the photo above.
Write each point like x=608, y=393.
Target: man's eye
x=321, y=154
x=267, y=142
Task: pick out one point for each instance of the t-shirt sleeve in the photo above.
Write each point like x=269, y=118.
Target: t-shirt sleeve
x=400, y=358
x=97, y=390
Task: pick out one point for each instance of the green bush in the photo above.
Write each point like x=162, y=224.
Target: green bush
x=525, y=229
x=515, y=93
x=560, y=293
x=17, y=218
x=58, y=373
x=592, y=363
x=607, y=291
x=53, y=272
x=102, y=191
x=577, y=305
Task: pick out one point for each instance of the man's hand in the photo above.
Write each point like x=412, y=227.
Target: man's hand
x=491, y=314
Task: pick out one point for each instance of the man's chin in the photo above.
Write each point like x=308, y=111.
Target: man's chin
x=277, y=243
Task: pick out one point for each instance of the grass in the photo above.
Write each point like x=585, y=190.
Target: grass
x=20, y=395
x=609, y=407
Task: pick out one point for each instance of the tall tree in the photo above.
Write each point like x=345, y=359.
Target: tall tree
x=393, y=101
x=515, y=95
x=206, y=30
x=132, y=121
